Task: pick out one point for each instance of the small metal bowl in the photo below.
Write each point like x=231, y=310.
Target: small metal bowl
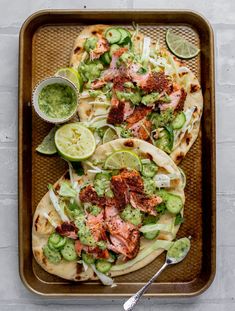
x=37, y=91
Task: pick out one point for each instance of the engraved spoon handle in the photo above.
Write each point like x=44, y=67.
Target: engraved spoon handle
x=131, y=302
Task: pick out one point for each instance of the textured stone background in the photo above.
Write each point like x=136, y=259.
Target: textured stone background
x=220, y=296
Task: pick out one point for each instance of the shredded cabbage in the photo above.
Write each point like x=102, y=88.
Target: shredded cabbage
x=99, y=103
x=66, y=190
x=145, y=161
x=84, y=56
x=157, y=46
x=56, y=205
x=97, y=138
x=85, y=265
x=146, y=50
x=174, y=67
x=70, y=173
x=144, y=253
x=183, y=177
x=183, y=69
x=149, y=134
x=95, y=169
x=155, y=227
x=51, y=221
x=190, y=127
x=96, y=122
x=184, y=79
x=135, y=33
x=84, y=94
x=160, y=62
x=106, y=280
x=101, y=111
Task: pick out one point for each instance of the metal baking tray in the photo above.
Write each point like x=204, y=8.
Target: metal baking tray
x=46, y=41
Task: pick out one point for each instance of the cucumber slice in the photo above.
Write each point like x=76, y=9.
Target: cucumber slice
x=56, y=241
x=124, y=34
x=103, y=266
x=151, y=235
x=87, y=258
x=149, y=169
x=105, y=58
x=51, y=246
x=165, y=142
x=113, y=35
x=52, y=255
x=113, y=49
x=162, y=193
x=174, y=203
x=179, y=121
x=61, y=244
x=54, y=238
x=68, y=252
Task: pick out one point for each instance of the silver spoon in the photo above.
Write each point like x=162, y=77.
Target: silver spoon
x=170, y=260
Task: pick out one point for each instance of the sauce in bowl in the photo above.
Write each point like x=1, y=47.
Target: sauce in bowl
x=55, y=100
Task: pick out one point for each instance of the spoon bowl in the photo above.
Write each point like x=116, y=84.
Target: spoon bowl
x=182, y=246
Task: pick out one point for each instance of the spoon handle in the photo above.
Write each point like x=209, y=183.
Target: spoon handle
x=131, y=302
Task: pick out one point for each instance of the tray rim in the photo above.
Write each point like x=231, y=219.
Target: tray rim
x=21, y=60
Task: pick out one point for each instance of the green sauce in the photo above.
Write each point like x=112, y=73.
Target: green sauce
x=149, y=186
x=102, y=183
x=94, y=210
x=57, y=100
x=179, y=248
x=135, y=98
x=149, y=169
x=91, y=70
x=85, y=235
x=150, y=98
x=132, y=215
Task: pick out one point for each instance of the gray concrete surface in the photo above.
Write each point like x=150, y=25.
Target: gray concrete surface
x=220, y=296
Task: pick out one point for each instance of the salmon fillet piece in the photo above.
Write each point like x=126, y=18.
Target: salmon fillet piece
x=89, y=195
x=144, y=203
x=139, y=113
x=124, y=237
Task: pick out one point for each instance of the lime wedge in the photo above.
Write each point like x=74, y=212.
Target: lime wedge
x=109, y=135
x=180, y=46
x=75, y=142
x=48, y=146
x=72, y=75
x=123, y=159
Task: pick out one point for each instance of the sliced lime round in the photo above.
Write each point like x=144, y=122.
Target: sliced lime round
x=109, y=135
x=72, y=75
x=48, y=146
x=75, y=142
x=180, y=46
x=123, y=159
